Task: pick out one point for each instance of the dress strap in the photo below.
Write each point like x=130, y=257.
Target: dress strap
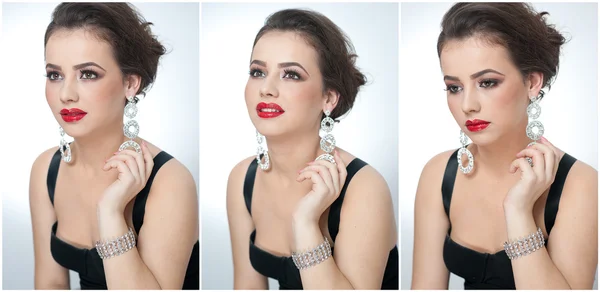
x=139, y=206
x=336, y=207
x=553, y=200
x=53, y=174
x=448, y=181
x=249, y=184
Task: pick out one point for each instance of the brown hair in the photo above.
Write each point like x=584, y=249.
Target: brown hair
x=136, y=50
x=533, y=44
x=336, y=53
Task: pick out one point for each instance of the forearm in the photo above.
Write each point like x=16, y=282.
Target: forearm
x=536, y=270
x=126, y=271
x=323, y=276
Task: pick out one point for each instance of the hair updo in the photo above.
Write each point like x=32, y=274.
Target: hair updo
x=336, y=53
x=134, y=47
x=533, y=44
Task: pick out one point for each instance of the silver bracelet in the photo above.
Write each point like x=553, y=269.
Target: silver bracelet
x=525, y=246
x=312, y=257
x=116, y=247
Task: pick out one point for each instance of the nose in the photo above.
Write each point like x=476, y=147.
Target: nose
x=68, y=91
x=269, y=87
x=470, y=101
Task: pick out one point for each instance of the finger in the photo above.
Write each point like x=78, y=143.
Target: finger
x=556, y=151
x=537, y=156
x=130, y=162
x=139, y=160
x=522, y=165
x=549, y=157
x=122, y=168
x=341, y=165
x=333, y=171
x=147, y=158
x=324, y=173
x=317, y=180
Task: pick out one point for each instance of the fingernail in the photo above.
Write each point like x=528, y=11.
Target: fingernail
x=544, y=139
x=144, y=143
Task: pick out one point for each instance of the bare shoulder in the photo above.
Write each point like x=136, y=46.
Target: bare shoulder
x=39, y=172
x=41, y=163
x=433, y=173
x=581, y=183
x=238, y=172
x=173, y=175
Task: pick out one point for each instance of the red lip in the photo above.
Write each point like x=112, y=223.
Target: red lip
x=274, y=110
x=72, y=115
x=476, y=125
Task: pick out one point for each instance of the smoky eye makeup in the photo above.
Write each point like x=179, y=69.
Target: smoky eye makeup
x=53, y=75
x=256, y=72
x=293, y=74
x=488, y=83
x=88, y=74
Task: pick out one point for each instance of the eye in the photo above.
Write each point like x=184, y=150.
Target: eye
x=88, y=74
x=291, y=74
x=53, y=76
x=488, y=83
x=256, y=73
x=453, y=89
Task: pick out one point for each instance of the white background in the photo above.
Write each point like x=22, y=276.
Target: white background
x=370, y=130
x=569, y=110
x=168, y=117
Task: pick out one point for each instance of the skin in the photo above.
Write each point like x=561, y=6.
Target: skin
x=94, y=193
x=298, y=220
x=515, y=192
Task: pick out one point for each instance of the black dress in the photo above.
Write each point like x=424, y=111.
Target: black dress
x=87, y=262
x=283, y=268
x=485, y=270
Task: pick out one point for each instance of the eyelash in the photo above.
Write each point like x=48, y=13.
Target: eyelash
x=94, y=75
x=287, y=73
x=453, y=89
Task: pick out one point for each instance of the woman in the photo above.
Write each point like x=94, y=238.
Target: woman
x=302, y=76
x=496, y=58
x=128, y=219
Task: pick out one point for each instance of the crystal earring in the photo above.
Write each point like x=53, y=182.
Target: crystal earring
x=65, y=148
x=262, y=154
x=535, y=129
x=463, y=150
x=131, y=128
x=327, y=141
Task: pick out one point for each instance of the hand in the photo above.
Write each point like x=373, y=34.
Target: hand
x=534, y=180
x=134, y=169
x=328, y=180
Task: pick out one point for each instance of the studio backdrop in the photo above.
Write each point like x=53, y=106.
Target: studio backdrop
x=369, y=131
x=569, y=114
x=168, y=116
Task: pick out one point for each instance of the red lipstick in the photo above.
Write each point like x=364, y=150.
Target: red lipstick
x=476, y=125
x=269, y=110
x=72, y=115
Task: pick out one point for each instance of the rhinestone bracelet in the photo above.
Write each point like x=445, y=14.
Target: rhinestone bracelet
x=312, y=257
x=525, y=246
x=116, y=247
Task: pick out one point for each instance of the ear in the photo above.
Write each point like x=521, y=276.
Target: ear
x=535, y=81
x=331, y=100
x=132, y=84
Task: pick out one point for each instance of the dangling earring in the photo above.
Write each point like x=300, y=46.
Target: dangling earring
x=464, y=150
x=535, y=129
x=65, y=148
x=262, y=154
x=327, y=141
x=131, y=128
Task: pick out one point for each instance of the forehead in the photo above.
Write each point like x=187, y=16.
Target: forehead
x=285, y=46
x=465, y=57
x=76, y=46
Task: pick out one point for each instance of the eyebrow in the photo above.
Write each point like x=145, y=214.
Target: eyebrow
x=280, y=65
x=76, y=67
x=474, y=75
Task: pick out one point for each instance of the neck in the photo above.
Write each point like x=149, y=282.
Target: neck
x=91, y=152
x=290, y=154
x=496, y=157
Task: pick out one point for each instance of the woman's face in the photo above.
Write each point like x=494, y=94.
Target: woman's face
x=84, y=86
x=284, y=93
x=486, y=92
